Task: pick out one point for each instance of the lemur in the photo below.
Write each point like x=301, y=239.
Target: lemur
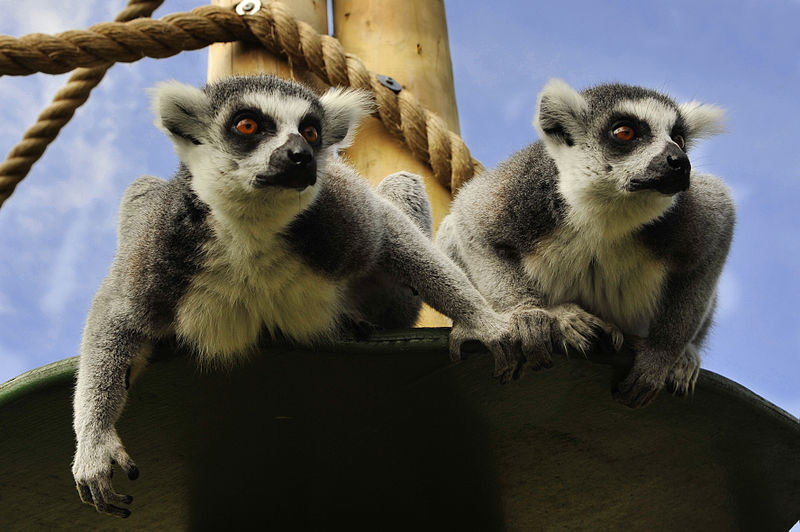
x=601, y=224
x=262, y=230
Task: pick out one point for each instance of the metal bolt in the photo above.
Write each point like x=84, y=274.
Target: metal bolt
x=390, y=83
x=248, y=7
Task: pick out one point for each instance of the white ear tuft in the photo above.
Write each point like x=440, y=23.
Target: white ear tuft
x=344, y=110
x=702, y=120
x=560, y=110
x=181, y=111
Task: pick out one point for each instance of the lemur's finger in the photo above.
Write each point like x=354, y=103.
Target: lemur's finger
x=126, y=463
x=506, y=361
x=534, y=332
x=85, y=493
x=455, y=349
x=635, y=392
x=103, y=495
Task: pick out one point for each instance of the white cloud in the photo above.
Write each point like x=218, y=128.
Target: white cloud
x=21, y=18
x=729, y=294
x=63, y=273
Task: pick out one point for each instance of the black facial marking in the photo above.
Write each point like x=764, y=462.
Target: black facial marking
x=128, y=378
x=617, y=147
x=246, y=143
x=314, y=121
x=679, y=129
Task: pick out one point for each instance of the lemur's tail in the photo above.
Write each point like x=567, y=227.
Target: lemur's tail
x=407, y=192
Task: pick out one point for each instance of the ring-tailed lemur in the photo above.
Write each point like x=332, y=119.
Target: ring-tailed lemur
x=262, y=228
x=604, y=215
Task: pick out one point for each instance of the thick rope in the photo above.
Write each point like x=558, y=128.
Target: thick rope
x=425, y=133
x=55, y=116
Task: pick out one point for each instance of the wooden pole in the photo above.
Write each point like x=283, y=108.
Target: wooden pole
x=227, y=59
x=407, y=41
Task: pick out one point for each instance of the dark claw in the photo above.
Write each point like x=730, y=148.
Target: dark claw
x=123, y=513
x=85, y=493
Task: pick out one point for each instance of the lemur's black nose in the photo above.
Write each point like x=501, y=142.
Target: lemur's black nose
x=300, y=154
x=678, y=162
x=291, y=165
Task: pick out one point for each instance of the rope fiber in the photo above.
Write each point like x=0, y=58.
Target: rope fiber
x=94, y=50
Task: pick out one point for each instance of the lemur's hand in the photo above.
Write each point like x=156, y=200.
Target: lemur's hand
x=541, y=330
x=494, y=332
x=92, y=470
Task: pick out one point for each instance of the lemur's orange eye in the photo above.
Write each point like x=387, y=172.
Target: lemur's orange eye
x=310, y=134
x=246, y=126
x=679, y=141
x=624, y=133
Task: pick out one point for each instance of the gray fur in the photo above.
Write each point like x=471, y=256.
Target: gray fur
x=580, y=232
x=242, y=243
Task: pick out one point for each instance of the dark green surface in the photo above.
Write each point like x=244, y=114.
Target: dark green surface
x=389, y=435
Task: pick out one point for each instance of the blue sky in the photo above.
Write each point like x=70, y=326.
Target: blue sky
x=58, y=229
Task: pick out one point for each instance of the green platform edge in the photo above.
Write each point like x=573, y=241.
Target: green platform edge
x=781, y=426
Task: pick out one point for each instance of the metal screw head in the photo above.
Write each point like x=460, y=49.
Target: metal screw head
x=248, y=7
x=390, y=83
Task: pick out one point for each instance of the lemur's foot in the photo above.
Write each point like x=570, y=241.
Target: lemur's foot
x=93, y=469
x=683, y=375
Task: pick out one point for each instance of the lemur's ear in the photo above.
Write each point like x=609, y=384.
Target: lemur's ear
x=701, y=120
x=181, y=111
x=344, y=110
x=560, y=112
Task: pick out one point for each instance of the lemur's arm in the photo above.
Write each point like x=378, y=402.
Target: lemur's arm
x=500, y=280
x=688, y=295
x=110, y=346
x=410, y=255
x=113, y=345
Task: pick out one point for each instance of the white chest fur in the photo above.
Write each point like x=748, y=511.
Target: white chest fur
x=618, y=280
x=248, y=283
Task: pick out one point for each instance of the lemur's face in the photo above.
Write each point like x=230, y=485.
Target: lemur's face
x=265, y=140
x=619, y=141
x=250, y=140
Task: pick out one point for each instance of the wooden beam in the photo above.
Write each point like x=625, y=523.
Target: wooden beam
x=408, y=42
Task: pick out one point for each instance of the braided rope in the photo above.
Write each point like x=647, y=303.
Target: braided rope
x=425, y=133
x=54, y=117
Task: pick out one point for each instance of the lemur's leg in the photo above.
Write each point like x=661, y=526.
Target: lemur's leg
x=683, y=374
